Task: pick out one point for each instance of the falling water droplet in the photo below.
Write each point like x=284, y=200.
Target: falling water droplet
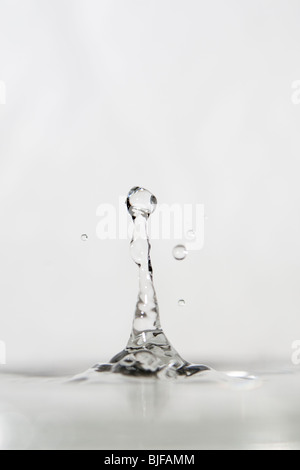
x=84, y=237
x=191, y=234
x=180, y=252
x=141, y=202
x=181, y=303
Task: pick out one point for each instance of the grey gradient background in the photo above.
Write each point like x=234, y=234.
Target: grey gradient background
x=191, y=99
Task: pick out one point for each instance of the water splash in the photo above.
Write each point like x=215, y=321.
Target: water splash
x=148, y=352
x=191, y=234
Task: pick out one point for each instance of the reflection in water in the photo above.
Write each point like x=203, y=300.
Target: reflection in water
x=131, y=413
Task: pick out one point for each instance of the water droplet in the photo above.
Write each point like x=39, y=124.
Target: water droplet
x=191, y=234
x=181, y=303
x=180, y=252
x=141, y=201
x=84, y=237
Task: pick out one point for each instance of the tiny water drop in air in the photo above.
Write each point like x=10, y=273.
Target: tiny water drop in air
x=191, y=234
x=180, y=252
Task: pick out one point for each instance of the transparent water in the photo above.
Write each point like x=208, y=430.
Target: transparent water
x=37, y=412
x=148, y=352
x=180, y=252
x=112, y=416
x=191, y=235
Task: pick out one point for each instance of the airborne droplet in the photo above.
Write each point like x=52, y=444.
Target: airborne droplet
x=191, y=235
x=180, y=252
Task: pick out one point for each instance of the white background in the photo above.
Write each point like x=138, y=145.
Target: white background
x=191, y=99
